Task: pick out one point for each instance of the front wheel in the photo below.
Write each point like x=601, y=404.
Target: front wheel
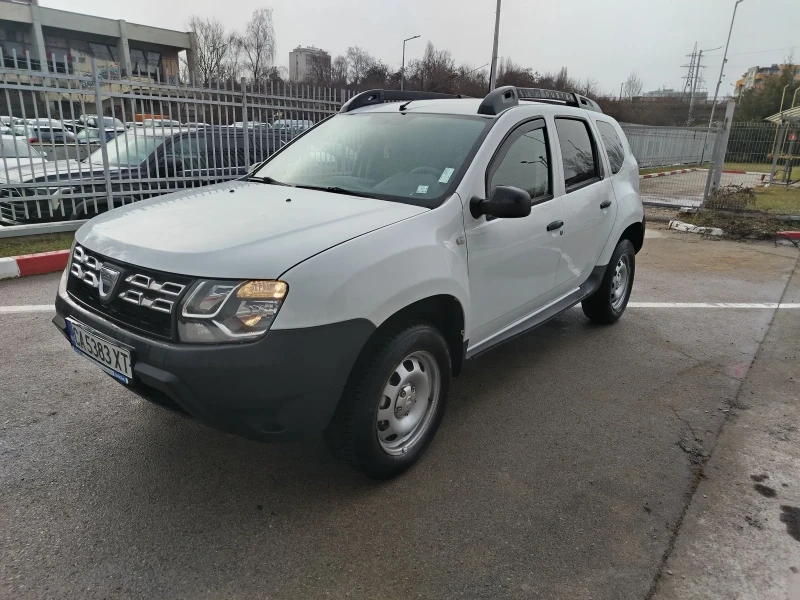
x=393, y=403
x=608, y=302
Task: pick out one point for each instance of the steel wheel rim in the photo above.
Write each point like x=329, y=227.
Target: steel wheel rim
x=619, y=282
x=408, y=403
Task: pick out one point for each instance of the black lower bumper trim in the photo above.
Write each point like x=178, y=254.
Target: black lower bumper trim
x=285, y=385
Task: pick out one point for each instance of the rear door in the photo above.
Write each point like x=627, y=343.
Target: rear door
x=589, y=203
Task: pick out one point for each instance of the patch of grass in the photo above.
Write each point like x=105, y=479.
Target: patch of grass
x=751, y=167
x=778, y=199
x=32, y=244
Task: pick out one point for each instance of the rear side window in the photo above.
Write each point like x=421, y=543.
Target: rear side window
x=577, y=152
x=614, y=147
x=524, y=161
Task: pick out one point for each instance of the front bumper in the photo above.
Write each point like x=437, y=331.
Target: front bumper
x=283, y=386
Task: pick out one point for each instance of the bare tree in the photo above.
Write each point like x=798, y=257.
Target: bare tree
x=358, y=63
x=258, y=45
x=339, y=71
x=632, y=87
x=589, y=87
x=319, y=69
x=215, y=56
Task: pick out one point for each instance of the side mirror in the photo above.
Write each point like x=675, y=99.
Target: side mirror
x=506, y=202
x=253, y=168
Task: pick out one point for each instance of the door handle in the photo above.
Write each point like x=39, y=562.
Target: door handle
x=555, y=225
x=605, y=204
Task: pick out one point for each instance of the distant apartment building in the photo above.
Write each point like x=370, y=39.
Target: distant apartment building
x=756, y=77
x=309, y=63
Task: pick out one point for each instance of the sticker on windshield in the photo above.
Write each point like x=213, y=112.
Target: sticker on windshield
x=446, y=175
x=422, y=189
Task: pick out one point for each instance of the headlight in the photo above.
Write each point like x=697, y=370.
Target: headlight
x=230, y=311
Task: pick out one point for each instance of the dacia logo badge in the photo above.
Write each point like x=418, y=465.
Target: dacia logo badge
x=108, y=279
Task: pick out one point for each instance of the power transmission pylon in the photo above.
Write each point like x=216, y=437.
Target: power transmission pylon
x=692, y=73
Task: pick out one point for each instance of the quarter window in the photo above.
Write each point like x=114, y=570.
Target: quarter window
x=614, y=147
x=577, y=152
x=524, y=163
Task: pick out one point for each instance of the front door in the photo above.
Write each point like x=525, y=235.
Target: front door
x=512, y=262
x=589, y=202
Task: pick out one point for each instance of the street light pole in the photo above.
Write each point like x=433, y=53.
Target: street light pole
x=403, y=67
x=724, y=60
x=493, y=72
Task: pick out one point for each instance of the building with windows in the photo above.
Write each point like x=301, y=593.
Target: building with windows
x=58, y=41
x=755, y=77
x=309, y=63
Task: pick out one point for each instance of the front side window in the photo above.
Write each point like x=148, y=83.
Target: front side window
x=191, y=151
x=577, y=152
x=614, y=147
x=414, y=158
x=524, y=162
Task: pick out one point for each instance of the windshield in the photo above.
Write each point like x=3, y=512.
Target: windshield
x=128, y=150
x=412, y=158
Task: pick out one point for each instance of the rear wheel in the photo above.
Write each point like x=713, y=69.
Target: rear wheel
x=393, y=403
x=608, y=303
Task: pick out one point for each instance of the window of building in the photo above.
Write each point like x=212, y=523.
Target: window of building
x=577, y=152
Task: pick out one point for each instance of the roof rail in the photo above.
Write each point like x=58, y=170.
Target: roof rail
x=505, y=97
x=371, y=97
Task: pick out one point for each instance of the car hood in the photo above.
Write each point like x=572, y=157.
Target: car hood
x=237, y=230
x=46, y=169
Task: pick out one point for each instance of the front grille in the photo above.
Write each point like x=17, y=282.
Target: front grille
x=137, y=299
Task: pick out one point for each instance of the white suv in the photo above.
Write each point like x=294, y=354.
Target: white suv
x=341, y=285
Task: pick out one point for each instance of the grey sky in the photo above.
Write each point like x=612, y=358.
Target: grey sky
x=605, y=40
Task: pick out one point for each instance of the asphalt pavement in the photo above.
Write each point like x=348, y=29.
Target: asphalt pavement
x=566, y=467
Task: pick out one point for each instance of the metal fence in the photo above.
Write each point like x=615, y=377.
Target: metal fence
x=153, y=138
x=732, y=170
x=669, y=146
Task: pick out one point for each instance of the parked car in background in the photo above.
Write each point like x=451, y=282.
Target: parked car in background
x=293, y=125
x=143, y=162
x=43, y=135
x=160, y=123
x=7, y=121
x=17, y=153
x=97, y=122
x=93, y=136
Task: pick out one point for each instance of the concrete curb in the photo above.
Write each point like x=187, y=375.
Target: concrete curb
x=33, y=264
x=665, y=173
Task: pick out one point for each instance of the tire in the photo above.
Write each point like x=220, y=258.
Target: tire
x=608, y=302
x=397, y=388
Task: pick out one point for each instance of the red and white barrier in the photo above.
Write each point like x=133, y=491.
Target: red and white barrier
x=33, y=264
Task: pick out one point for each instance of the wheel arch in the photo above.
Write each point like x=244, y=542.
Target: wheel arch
x=635, y=233
x=442, y=311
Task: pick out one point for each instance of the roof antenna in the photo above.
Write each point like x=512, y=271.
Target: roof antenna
x=454, y=78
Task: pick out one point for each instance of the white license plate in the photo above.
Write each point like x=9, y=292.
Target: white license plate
x=113, y=359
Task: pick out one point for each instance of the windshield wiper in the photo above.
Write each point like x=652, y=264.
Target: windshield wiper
x=335, y=189
x=268, y=180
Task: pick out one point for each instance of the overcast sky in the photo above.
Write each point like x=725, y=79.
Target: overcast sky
x=602, y=39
